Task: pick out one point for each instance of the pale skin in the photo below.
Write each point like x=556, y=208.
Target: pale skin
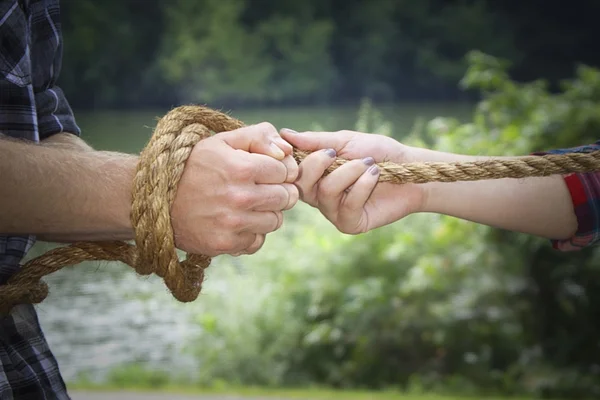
x=233, y=191
x=352, y=199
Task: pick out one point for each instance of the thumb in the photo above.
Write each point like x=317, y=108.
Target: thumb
x=312, y=141
x=262, y=138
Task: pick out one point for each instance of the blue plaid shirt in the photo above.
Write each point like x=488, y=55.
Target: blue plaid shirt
x=33, y=108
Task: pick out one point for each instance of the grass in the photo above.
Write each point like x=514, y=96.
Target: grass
x=266, y=393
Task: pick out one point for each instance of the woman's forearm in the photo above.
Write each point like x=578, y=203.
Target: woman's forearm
x=65, y=194
x=539, y=206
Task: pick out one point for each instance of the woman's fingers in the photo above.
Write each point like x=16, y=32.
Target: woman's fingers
x=332, y=188
x=311, y=171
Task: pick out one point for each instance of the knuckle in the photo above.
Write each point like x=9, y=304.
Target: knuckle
x=282, y=197
x=277, y=169
x=242, y=170
x=240, y=199
x=232, y=222
x=293, y=196
x=266, y=127
x=254, y=247
x=279, y=222
x=325, y=191
x=292, y=170
x=223, y=244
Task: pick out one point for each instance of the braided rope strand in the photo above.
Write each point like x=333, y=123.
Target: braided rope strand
x=515, y=168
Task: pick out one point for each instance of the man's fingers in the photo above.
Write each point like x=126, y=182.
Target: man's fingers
x=275, y=197
x=311, y=171
x=262, y=222
x=292, y=169
x=294, y=195
x=254, y=247
x=262, y=138
x=230, y=243
x=264, y=169
x=311, y=141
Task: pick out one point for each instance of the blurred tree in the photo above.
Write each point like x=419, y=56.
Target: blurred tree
x=208, y=55
x=110, y=47
x=136, y=53
x=212, y=57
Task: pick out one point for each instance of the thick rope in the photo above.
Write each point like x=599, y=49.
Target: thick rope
x=517, y=167
x=158, y=173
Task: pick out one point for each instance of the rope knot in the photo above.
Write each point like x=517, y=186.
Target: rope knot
x=158, y=172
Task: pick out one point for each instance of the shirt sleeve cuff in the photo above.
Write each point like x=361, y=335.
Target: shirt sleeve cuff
x=585, y=212
x=584, y=189
x=54, y=113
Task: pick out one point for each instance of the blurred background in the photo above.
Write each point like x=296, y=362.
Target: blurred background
x=427, y=305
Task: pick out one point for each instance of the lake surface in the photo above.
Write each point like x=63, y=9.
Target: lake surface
x=101, y=315
x=130, y=131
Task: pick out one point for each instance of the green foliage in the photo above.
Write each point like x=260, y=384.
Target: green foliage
x=110, y=51
x=446, y=32
x=207, y=53
x=136, y=375
x=212, y=57
x=430, y=303
x=527, y=117
x=236, y=52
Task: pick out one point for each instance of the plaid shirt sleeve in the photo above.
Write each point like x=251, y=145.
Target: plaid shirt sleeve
x=54, y=114
x=32, y=108
x=585, y=195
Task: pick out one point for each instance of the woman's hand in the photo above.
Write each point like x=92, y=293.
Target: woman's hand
x=350, y=197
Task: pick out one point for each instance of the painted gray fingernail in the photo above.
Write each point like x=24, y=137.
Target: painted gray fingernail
x=374, y=170
x=369, y=160
x=331, y=153
x=289, y=130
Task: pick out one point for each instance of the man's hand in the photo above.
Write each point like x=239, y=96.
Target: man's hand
x=350, y=197
x=233, y=190
x=227, y=201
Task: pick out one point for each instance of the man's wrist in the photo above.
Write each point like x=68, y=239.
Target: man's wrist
x=108, y=215
x=123, y=168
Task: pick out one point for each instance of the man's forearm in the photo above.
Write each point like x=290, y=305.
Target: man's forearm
x=538, y=206
x=67, y=141
x=64, y=194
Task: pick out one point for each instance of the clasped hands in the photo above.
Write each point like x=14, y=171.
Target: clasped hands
x=237, y=184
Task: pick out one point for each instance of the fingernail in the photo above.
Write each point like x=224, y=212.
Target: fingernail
x=331, y=153
x=277, y=152
x=369, y=160
x=374, y=170
x=287, y=130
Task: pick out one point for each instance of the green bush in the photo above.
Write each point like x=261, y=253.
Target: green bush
x=430, y=303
